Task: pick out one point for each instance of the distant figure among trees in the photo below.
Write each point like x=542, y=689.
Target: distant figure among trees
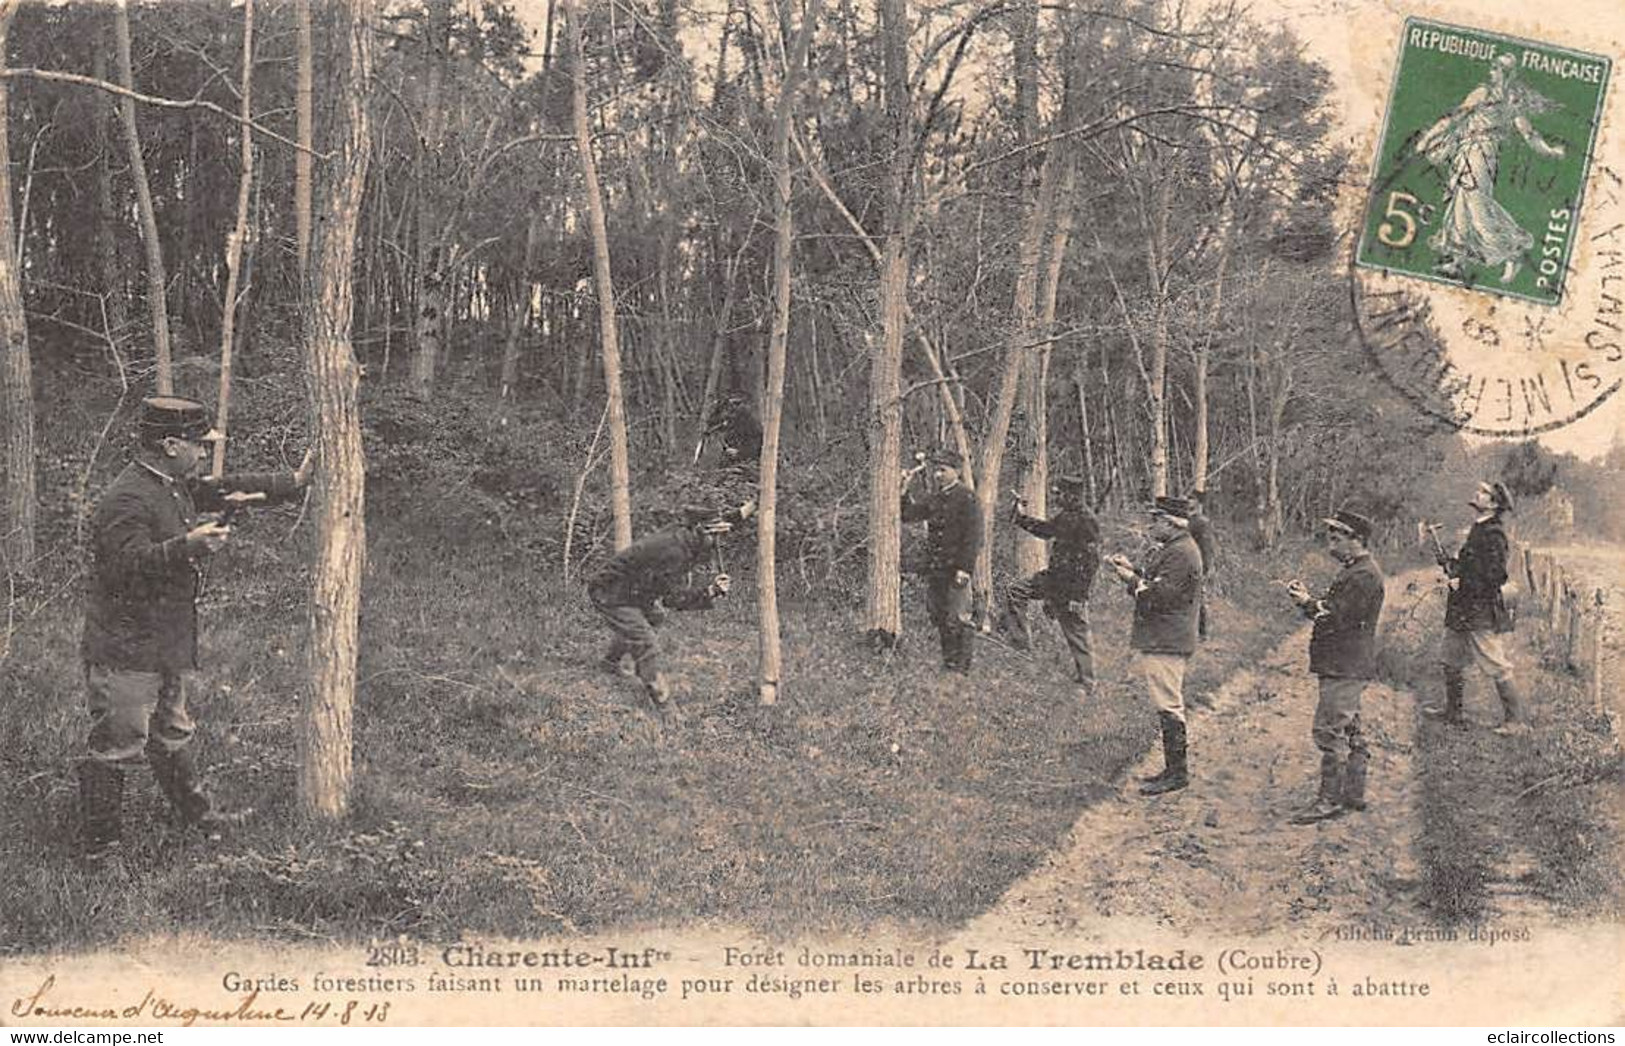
x=737, y=432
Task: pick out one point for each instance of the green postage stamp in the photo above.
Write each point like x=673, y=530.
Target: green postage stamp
x=1483, y=162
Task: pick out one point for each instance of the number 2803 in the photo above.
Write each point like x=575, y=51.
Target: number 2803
x=392, y=954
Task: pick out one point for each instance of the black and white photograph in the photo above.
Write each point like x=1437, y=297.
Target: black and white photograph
x=812, y=512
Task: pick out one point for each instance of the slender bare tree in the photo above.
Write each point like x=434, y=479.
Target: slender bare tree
x=17, y=367
x=771, y=667
x=619, y=478
x=235, y=241
x=332, y=376
x=157, y=283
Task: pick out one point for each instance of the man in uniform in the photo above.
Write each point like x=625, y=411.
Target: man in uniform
x=635, y=588
x=1064, y=586
x=1342, y=656
x=1167, y=593
x=953, y=537
x=149, y=542
x=1475, y=615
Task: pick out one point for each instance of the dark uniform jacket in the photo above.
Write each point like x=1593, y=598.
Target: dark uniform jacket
x=657, y=567
x=1165, y=610
x=1074, y=556
x=953, y=528
x=1476, y=604
x=141, y=603
x=1344, y=640
x=1202, y=534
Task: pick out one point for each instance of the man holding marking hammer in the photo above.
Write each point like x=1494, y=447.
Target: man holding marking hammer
x=1475, y=614
x=151, y=536
x=635, y=588
x=953, y=535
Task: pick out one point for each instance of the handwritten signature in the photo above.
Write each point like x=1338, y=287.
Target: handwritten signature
x=153, y=1007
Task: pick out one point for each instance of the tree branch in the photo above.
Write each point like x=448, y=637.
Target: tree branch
x=163, y=103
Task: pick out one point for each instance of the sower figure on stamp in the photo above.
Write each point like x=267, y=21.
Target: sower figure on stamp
x=1342, y=657
x=150, y=538
x=953, y=537
x=1202, y=534
x=1476, y=616
x=1064, y=586
x=1167, y=593
x=635, y=588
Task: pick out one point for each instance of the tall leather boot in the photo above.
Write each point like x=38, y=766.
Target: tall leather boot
x=1353, y=797
x=177, y=776
x=1175, y=774
x=101, y=810
x=1329, y=800
x=1450, y=711
x=1516, y=719
x=1014, y=625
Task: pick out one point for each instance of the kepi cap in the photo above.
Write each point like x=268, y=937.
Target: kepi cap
x=1350, y=523
x=1499, y=494
x=946, y=456
x=171, y=417
x=1175, y=508
x=1071, y=484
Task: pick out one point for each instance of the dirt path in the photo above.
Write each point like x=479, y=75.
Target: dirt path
x=1220, y=857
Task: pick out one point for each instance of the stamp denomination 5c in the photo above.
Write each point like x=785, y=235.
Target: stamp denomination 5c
x=1484, y=160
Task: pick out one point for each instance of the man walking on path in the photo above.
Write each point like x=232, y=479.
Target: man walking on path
x=150, y=540
x=1476, y=616
x=953, y=537
x=1167, y=593
x=635, y=588
x=1342, y=656
x=1064, y=586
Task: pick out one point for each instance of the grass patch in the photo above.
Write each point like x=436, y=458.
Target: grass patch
x=1503, y=817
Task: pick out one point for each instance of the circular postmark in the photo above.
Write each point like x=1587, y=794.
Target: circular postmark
x=1488, y=284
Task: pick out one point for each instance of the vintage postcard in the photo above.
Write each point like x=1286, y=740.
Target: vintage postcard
x=766, y=512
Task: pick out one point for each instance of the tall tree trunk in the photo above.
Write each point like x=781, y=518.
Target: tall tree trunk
x=883, y=598
x=1084, y=435
x=1033, y=556
x=304, y=92
x=332, y=377
x=432, y=293
x=1157, y=265
x=1201, y=445
x=107, y=219
x=521, y=303
x=17, y=369
x=771, y=667
x=1023, y=324
x=235, y=242
x=157, y=298
x=619, y=479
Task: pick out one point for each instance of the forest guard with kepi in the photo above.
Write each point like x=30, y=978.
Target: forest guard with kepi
x=1064, y=585
x=1342, y=658
x=1167, y=593
x=1476, y=617
x=149, y=543
x=635, y=588
x=953, y=535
